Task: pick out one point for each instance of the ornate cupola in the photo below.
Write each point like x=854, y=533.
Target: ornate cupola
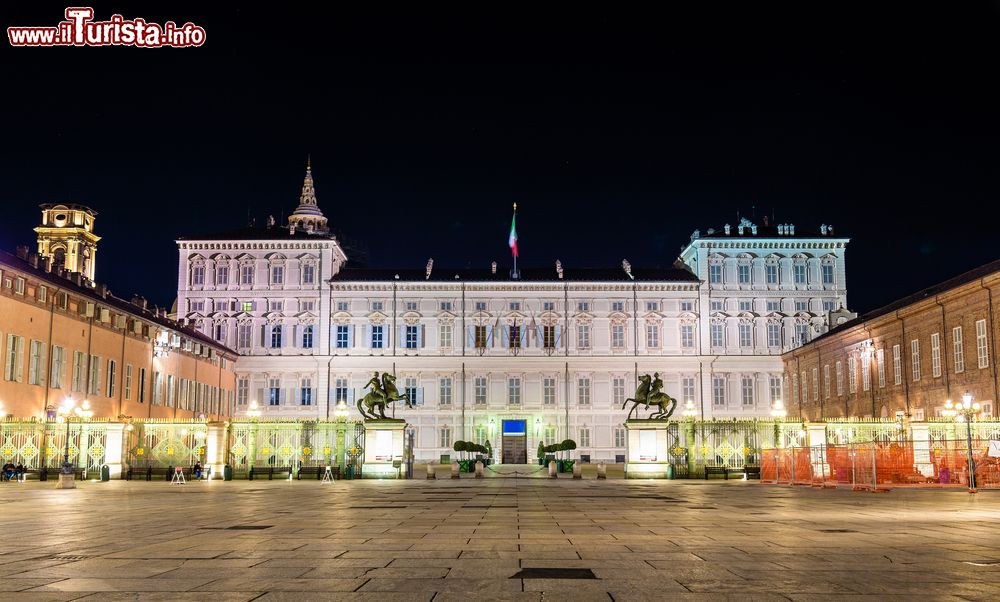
x=66, y=236
x=307, y=216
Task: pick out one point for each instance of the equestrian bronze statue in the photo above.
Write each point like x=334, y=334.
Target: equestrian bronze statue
x=383, y=392
x=650, y=393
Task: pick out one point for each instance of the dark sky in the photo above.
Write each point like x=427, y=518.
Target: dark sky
x=617, y=133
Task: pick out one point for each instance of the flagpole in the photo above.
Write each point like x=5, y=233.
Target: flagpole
x=515, y=254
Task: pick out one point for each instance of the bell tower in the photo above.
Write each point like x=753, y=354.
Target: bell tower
x=67, y=237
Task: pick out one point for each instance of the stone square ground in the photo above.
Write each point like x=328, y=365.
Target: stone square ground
x=499, y=538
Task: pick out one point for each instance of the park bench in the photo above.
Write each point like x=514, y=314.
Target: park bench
x=751, y=472
x=259, y=472
x=45, y=472
x=148, y=473
x=206, y=472
x=723, y=470
x=317, y=471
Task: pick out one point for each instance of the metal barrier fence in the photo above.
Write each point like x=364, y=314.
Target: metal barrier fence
x=879, y=466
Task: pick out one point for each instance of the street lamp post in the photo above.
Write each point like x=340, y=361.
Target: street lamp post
x=966, y=411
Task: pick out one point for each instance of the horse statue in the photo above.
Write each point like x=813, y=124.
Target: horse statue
x=649, y=394
x=383, y=392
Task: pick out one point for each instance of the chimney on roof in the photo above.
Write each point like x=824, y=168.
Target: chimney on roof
x=727, y=228
x=77, y=278
x=33, y=260
x=47, y=264
x=22, y=252
x=139, y=301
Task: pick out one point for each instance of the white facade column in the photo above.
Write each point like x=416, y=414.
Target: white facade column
x=215, y=449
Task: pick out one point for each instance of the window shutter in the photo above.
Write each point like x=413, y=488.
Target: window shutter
x=558, y=340
x=522, y=334
x=350, y=336
x=261, y=400
x=401, y=341
x=366, y=335
x=470, y=336
x=422, y=333
x=420, y=396
x=263, y=336
x=41, y=364
x=505, y=336
x=350, y=396
x=539, y=335
x=295, y=340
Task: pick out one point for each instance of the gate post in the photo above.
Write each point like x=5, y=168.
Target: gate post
x=921, y=441
x=114, y=448
x=816, y=440
x=215, y=449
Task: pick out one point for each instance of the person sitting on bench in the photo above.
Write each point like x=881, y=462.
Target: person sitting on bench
x=197, y=470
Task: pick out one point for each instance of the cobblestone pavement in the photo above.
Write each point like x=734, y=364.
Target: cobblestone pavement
x=511, y=539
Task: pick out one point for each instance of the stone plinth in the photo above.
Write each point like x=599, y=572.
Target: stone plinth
x=66, y=481
x=647, y=456
x=383, y=445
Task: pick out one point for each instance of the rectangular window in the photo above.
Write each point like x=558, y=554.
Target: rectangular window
x=743, y=273
x=242, y=391
x=411, y=341
x=243, y=336
x=514, y=336
x=982, y=348
x=514, y=306
x=687, y=306
x=79, y=369
x=801, y=306
x=36, y=363
x=795, y=387
x=278, y=274
x=307, y=305
x=619, y=306
x=549, y=391
x=805, y=386
x=826, y=381
x=815, y=383
x=852, y=375
x=222, y=275
x=445, y=440
x=444, y=335
x=444, y=393
x=801, y=334
x=650, y=305
x=58, y=366
x=198, y=275
x=171, y=390
x=246, y=306
x=774, y=387
x=274, y=392
x=880, y=367
x=718, y=334
x=142, y=385
x=445, y=306
x=745, y=305
x=715, y=273
x=43, y=294
x=94, y=384
x=410, y=305
x=14, y=363
x=585, y=437
x=378, y=338
x=480, y=306
x=716, y=305
x=343, y=336
x=479, y=390
x=915, y=354
x=652, y=336
x=687, y=336
x=771, y=273
x=718, y=391
x=956, y=335
x=827, y=274
x=840, y=378
x=340, y=390
x=246, y=274
x=128, y=381
x=514, y=391
x=480, y=337
x=617, y=336
x=220, y=332
x=866, y=371
x=276, y=337
x=305, y=392
x=799, y=270
x=774, y=335
x=583, y=391
x=687, y=389
x=307, y=337
x=550, y=435
x=157, y=390
x=308, y=274
x=773, y=306
x=378, y=305
x=746, y=390
x=112, y=377
x=549, y=337
x=583, y=336
x=619, y=436
x=618, y=390
x=746, y=335
x=583, y=306
x=935, y=355
x=548, y=306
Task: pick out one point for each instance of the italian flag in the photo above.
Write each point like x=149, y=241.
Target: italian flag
x=512, y=240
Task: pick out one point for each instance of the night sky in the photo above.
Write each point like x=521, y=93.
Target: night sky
x=617, y=134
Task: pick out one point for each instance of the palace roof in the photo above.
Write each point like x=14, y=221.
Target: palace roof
x=443, y=274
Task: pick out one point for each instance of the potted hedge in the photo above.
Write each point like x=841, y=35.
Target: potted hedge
x=461, y=447
x=541, y=454
x=567, y=446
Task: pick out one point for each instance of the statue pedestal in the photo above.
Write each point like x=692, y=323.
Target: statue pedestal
x=383, y=447
x=66, y=481
x=647, y=456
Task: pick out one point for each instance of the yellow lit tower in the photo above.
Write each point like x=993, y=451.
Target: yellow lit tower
x=67, y=237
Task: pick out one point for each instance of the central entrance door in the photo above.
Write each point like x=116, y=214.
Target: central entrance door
x=515, y=442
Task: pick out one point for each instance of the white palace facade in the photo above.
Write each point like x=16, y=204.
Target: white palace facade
x=552, y=352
